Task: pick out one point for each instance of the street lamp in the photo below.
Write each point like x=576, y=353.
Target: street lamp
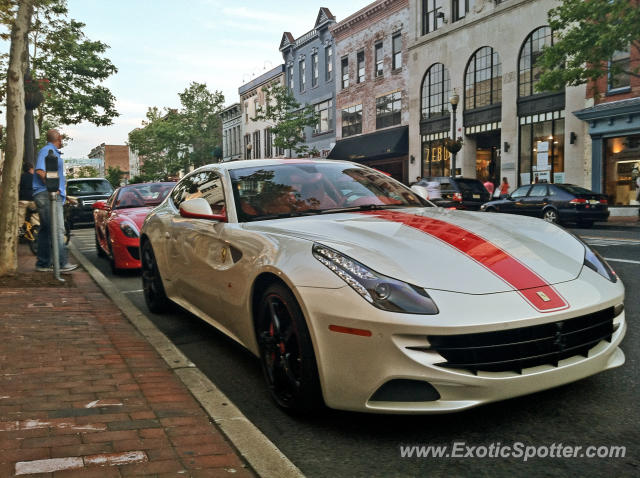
x=453, y=100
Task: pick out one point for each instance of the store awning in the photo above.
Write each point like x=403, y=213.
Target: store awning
x=379, y=145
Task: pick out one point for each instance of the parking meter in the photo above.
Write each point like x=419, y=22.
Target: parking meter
x=52, y=181
x=51, y=169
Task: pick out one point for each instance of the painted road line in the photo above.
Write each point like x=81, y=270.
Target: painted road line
x=259, y=452
x=52, y=465
x=629, y=261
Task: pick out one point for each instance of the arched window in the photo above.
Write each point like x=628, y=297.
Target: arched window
x=528, y=72
x=483, y=79
x=436, y=87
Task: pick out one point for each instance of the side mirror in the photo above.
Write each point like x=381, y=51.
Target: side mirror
x=101, y=205
x=199, y=208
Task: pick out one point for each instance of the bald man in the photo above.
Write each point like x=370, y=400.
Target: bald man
x=44, y=260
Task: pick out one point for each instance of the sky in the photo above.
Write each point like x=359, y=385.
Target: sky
x=160, y=46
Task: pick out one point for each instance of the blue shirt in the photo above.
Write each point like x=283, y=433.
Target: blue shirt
x=38, y=184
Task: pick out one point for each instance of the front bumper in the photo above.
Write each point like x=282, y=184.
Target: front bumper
x=352, y=368
x=126, y=252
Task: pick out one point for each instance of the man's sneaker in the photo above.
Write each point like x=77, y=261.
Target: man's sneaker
x=68, y=267
x=44, y=269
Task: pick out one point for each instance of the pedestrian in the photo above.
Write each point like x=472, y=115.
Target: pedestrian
x=488, y=185
x=418, y=179
x=433, y=190
x=41, y=198
x=504, y=188
x=25, y=193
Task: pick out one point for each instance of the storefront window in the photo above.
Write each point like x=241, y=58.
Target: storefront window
x=621, y=170
x=542, y=148
x=435, y=157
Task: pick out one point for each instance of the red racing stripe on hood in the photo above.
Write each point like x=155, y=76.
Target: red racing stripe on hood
x=533, y=288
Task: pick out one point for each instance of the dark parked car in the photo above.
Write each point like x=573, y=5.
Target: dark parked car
x=554, y=203
x=82, y=193
x=456, y=192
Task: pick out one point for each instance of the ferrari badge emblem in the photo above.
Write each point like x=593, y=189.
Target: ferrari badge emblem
x=543, y=296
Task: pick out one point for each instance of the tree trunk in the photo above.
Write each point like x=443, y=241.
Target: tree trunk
x=15, y=140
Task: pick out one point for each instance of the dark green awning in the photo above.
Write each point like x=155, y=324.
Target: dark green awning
x=379, y=145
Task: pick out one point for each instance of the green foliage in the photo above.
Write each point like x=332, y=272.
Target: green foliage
x=289, y=118
x=172, y=140
x=138, y=178
x=588, y=33
x=86, y=172
x=74, y=66
x=114, y=176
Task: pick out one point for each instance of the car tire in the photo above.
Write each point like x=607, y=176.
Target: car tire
x=286, y=352
x=551, y=215
x=99, y=249
x=154, y=294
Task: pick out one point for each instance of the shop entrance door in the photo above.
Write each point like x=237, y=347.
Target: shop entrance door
x=488, y=157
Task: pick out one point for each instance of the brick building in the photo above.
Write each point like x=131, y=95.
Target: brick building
x=371, y=96
x=310, y=76
x=112, y=156
x=258, y=139
x=613, y=120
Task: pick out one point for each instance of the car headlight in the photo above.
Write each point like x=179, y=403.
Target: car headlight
x=129, y=230
x=381, y=291
x=596, y=262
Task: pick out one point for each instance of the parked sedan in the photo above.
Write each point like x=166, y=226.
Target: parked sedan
x=118, y=222
x=557, y=203
x=356, y=294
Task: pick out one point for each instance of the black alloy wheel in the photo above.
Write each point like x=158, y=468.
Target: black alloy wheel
x=154, y=294
x=286, y=352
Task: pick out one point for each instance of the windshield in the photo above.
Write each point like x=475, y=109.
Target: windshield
x=297, y=188
x=140, y=195
x=471, y=186
x=89, y=187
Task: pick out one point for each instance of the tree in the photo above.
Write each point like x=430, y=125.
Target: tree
x=73, y=65
x=289, y=118
x=201, y=124
x=171, y=140
x=15, y=140
x=587, y=34
x=114, y=176
x=87, y=172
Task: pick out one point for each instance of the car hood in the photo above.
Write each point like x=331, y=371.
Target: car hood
x=135, y=214
x=469, y=252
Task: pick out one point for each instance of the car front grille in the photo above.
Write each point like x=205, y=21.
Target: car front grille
x=515, y=349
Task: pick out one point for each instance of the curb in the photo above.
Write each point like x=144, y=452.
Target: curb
x=259, y=452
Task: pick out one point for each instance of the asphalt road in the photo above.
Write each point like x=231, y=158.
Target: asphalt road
x=601, y=410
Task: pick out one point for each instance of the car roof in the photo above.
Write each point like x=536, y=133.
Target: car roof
x=253, y=163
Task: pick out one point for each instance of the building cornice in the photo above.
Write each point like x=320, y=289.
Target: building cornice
x=362, y=18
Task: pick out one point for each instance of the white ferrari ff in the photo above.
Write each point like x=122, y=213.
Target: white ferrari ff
x=355, y=292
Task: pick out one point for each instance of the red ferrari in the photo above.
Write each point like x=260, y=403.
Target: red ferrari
x=118, y=221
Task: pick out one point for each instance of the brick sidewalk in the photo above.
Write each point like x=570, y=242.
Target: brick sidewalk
x=82, y=393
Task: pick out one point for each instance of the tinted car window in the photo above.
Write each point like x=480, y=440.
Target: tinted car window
x=204, y=184
x=88, y=187
x=520, y=192
x=140, y=195
x=574, y=189
x=288, y=189
x=538, y=190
